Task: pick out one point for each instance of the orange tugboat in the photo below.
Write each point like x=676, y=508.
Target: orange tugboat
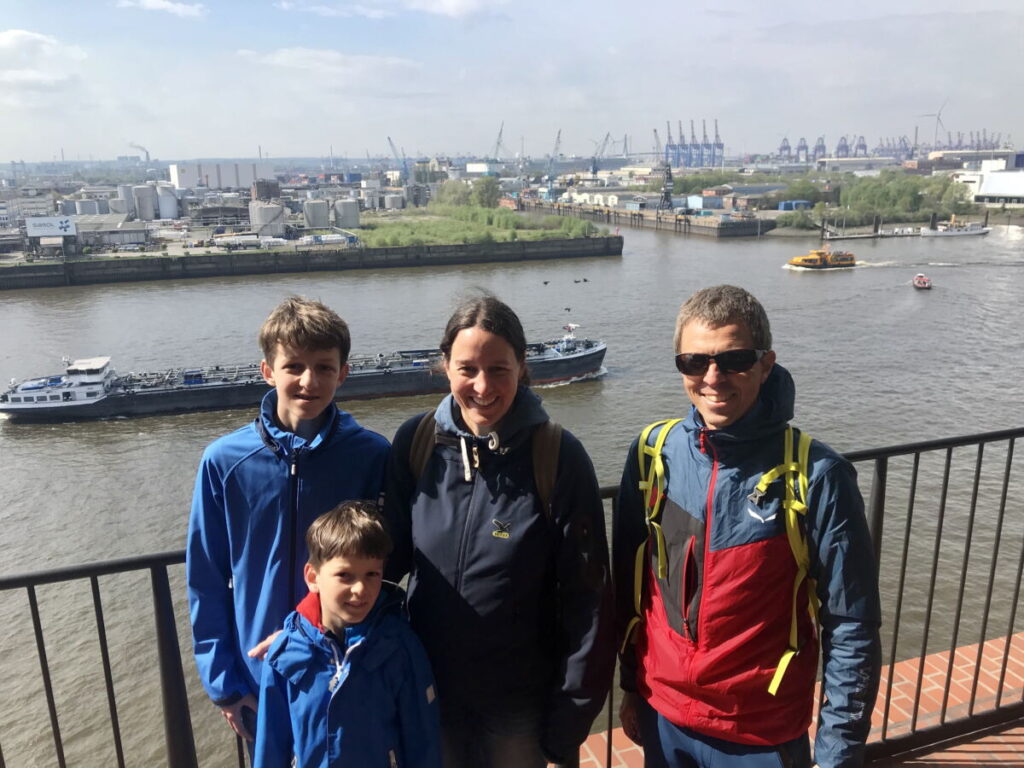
x=824, y=258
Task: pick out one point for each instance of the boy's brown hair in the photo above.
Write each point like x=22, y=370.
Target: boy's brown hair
x=304, y=324
x=351, y=529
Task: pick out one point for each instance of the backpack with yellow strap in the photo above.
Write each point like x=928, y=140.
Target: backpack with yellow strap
x=794, y=473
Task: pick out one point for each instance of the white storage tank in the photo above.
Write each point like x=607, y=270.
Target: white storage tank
x=118, y=205
x=168, y=202
x=317, y=213
x=86, y=207
x=392, y=202
x=346, y=213
x=124, y=192
x=103, y=205
x=266, y=219
x=145, y=202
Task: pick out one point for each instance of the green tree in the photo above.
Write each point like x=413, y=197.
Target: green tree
x=486, y=192
x=453, y=193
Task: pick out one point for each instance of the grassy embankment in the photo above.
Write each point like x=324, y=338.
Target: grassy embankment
x=448, y=225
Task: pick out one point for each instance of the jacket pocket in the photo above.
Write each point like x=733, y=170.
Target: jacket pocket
x=689, y=588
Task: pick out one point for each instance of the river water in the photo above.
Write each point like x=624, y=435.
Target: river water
x=875, y=362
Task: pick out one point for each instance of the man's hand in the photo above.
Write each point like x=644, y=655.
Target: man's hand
x=233, y=714
x=629, y=716
x=259, y=651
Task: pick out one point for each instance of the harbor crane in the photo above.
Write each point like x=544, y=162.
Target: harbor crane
x=665, y=203
x=402, y=165
x=141, y=149
x=599, y=154
x=551, y=164
x=498, y=145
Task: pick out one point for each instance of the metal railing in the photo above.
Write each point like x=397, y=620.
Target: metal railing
x=900, y=478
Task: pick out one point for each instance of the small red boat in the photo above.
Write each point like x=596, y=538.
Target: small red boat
x=922, y=282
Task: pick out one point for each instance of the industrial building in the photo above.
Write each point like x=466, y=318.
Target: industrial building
x=219, y=175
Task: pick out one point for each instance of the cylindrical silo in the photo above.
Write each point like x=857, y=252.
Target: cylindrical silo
x=86, y=207
x=346, y=213
x=266, y=219
x=145, y=202
x=393, y=201
x=167, y=201
x=124, y=191
x=317, y=213
x=103, y=205
x=117, y=205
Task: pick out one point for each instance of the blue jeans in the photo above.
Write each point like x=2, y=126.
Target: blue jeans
x=477, y=736
x=667, y=745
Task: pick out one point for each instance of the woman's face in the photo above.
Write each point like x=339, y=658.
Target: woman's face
x=484, y=374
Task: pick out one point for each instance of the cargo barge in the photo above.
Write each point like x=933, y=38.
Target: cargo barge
x=90, y=388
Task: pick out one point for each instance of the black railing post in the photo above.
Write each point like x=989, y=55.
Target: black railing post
x=876, y=506
x=181, y=747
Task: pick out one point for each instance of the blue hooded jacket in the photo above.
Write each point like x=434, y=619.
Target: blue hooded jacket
x=256, y=492
x=720, y=468
x=363, y=701
x=512, y=602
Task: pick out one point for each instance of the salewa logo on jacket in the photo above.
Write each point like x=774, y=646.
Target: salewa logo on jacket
x=502, y=529
x=760, y=515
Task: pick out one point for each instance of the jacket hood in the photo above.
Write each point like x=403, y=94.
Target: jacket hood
x=295, y=652
x=282, y=442
x=770, y=413
x=526, y=413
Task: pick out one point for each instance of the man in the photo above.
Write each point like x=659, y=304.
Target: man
x=724, y=534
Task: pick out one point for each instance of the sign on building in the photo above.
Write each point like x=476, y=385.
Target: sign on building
x=49, y=226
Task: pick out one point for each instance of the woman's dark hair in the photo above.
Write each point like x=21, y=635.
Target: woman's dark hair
x=490, y=313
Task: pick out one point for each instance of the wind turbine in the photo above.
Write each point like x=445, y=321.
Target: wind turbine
x=938, y=123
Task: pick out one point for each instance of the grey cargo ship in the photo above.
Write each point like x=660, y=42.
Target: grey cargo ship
x=90, y=388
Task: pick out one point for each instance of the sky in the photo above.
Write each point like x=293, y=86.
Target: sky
x=302, y=78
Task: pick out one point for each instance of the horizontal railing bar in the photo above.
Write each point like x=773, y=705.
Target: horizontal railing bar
x=88, y=570
x=932, y=445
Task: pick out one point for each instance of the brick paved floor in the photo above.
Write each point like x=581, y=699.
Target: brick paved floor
x=975, y=671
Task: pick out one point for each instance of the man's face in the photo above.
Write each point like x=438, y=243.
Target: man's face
x=722, y=398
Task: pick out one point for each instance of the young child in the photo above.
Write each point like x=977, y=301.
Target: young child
x=347, y=683
x=256, y=492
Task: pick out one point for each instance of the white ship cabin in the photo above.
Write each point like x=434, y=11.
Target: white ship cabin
x=85, y=380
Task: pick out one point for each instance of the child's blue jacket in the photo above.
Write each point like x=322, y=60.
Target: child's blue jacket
x=369, y=704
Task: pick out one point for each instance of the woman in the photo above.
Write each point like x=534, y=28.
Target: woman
x=511, y=599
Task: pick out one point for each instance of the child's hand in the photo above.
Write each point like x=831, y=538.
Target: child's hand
x=233, y=714
x=261, y=648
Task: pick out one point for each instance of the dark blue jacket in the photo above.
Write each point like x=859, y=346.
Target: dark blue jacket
x=512, y=602
x=722, y=603
x=256, y=492
x=363, y=701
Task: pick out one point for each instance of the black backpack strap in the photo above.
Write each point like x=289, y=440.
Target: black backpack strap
x=546, y=444
x=422, y=444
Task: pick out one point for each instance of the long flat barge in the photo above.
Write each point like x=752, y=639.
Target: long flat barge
x=90, y=388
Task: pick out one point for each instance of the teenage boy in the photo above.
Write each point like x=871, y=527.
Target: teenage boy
x=256, y=492
x=347, y=681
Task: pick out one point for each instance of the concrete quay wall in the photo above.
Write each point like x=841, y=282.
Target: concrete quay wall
x=712, y=226
x=140, y=268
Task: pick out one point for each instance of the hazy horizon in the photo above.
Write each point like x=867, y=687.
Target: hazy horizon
x=298, y=78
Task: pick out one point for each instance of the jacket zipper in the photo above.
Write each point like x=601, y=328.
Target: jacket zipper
x=293, y=482
x=463, y=543
x=708, y=448
x=688, y=587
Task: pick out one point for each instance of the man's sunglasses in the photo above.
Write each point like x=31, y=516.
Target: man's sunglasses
x=733, y=361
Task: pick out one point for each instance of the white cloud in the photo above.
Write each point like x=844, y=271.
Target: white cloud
x=333, y=63
x=34, y=67
x=183, y=10
x=453, y=8
x=20, y=45
x=381, y=9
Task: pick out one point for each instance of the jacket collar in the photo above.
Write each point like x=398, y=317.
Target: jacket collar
x=283, y=442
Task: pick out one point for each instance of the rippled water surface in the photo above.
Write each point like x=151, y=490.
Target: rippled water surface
x=875, y=362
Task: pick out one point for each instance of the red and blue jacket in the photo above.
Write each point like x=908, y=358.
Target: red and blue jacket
x=714, y=628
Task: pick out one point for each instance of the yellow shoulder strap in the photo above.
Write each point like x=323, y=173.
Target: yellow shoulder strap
x=652, y=485
x=796, y=474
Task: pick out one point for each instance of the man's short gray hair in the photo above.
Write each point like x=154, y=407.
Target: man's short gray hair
x=723, y=305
